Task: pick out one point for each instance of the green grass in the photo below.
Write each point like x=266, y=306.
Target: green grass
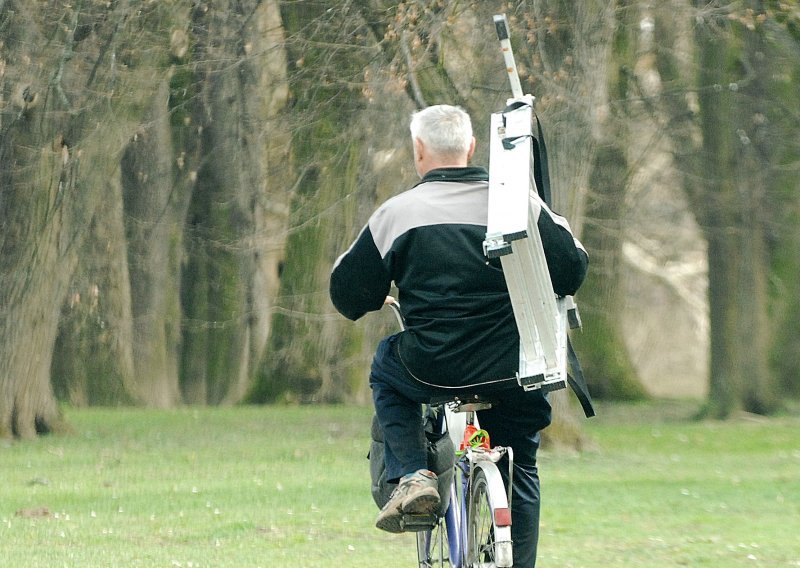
x=289, y=486
x=669, y=492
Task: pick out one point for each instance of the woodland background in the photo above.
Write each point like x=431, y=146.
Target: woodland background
x=177, y=177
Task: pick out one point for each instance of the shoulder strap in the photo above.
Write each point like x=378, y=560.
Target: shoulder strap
x=541, y=172
x=577, y=381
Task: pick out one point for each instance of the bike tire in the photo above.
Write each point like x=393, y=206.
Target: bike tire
x=488, y=520
x=436, y=548
x=433, y=550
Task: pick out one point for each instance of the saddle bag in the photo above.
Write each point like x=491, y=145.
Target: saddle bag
x=441, y=459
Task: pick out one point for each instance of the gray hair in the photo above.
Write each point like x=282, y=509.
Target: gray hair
x=446, y=130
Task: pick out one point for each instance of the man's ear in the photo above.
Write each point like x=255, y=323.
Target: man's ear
x=419, y=149
x=471, y=149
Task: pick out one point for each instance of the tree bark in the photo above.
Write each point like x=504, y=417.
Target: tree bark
x=237, y=215
x=62, y=79
x=93, y=356
x=725, y=147
x=154, y=214
x=783, y=225
x=734, y=215
x=601, y=343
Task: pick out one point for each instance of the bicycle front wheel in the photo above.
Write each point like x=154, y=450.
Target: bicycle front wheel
x=488, y=521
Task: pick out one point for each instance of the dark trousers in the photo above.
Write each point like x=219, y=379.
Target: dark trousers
x=514, y=420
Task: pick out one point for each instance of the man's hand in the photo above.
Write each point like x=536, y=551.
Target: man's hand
x=389, y=300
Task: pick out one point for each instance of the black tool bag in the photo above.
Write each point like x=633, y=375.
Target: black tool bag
x=441, y=459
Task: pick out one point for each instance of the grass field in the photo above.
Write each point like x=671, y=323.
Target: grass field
x=288, y=487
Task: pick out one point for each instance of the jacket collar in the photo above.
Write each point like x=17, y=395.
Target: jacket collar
x=465, y=174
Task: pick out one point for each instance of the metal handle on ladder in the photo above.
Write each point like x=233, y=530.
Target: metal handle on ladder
x=501, y=25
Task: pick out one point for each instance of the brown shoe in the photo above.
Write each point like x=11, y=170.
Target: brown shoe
x=416, y=494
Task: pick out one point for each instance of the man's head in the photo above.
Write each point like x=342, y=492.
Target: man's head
x=442, y=136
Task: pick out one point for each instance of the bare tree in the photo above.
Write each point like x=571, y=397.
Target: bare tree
x=237, y=212
x=728, y=124
x=112, y=127
x=426, y=53
x=162, y=244
x=70, y=82
x=585, y=53
x=344, y=149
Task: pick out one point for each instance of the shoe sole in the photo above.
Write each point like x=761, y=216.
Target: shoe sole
x=421, y=504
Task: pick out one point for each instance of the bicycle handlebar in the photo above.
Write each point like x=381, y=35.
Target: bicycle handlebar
x=395, y=306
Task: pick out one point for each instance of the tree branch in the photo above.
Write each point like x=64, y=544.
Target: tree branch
x=412, y=75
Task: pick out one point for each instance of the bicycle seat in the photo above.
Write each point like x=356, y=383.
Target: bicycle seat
x=463, y=402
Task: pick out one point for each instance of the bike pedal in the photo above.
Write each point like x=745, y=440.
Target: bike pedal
x=416, y=523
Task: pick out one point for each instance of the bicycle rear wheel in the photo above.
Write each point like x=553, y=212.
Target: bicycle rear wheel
x=488, y=521
x=440, y=546
x=433, y=548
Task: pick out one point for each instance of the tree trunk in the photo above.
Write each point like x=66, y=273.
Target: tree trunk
x=61, y=79
x=93, y=357
x=783, y=226
x=604, y=354
x=36, y=258
x=34, y=281
x=237, y=212
x=733, y=159
x=564, y=54
x=324, y=71
x=154, y=213
x=734, y=215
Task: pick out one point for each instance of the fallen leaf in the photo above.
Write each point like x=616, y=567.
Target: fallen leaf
x=33, y=513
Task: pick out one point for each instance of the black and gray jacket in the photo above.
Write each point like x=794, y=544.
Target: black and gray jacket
x=460, y=328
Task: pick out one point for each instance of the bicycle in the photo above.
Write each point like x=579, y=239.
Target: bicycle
x=475, y=529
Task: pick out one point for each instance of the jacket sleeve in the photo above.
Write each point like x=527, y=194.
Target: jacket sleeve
x=359, y=280
x=567, y=260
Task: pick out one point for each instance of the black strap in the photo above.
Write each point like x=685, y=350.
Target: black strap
x=578, y=382
x=541, y=172
x=541, y=175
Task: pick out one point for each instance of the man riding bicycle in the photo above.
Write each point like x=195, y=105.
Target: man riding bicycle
x=460, y=334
